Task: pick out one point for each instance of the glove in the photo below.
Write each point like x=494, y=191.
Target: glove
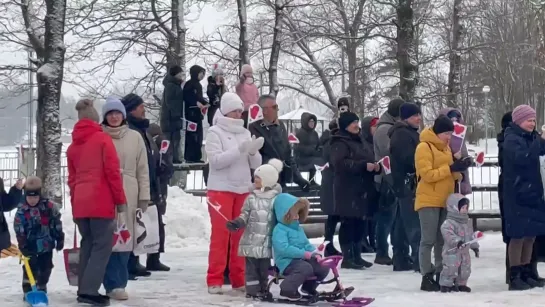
x=233, y=225
x=60, y=245
x=305, y=186
x=121, y=208
x=143, y=205
x=477, y=252
x=460, y=165
x=256, y=145
x=459, y=244
x=244, y=147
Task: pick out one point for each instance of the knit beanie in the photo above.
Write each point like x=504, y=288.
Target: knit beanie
x=394, y=105
x=33, y=186
x=174, y=70
x=522, y=113
x=86, y=110
x=131, y=102
x=230, y=102
x=246, y=69
x=343, y=102
x=268, y=173
x=454, y=114
x=346, y=119
x=463, y=202
x=408, y=109
x=113, y=104
x=442, y=124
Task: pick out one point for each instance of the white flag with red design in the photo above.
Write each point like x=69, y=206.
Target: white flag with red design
x=255, y=113
x=459, y=130
x=479, y=159
x=204, y=110
x=385, y=162
x=293, y=139
x=164, y=146
x=191, y=126
x=321, y=168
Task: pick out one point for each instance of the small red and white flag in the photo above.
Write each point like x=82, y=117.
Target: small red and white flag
x=255, y=113
x=479, y=159
x=385, y=162
x=217, y=208
x=164, y=146
x=191, y=126
x=460, y=130
x=204, y=110
x=321, y=168
x=293, y=139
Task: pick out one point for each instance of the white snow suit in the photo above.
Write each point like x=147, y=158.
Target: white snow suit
x=456, y=228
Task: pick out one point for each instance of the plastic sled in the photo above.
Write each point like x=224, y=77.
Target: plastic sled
x=338, y=297
x=34, y=298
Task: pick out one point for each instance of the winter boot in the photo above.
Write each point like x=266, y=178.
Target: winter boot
x=383, y=260
x=445, y=289
x=528, y=277
x=153, y=263
x=463, y=288
x=535, y=274
x=330, y=250
x=429, y=284
x=118, y=294
x=403, y=264
x=292, y=296
x=515, y=281
x=215, y=290
x=136, y=269
x=94, y=300
x=356, y=251
x=366, y=247
x=348, y=258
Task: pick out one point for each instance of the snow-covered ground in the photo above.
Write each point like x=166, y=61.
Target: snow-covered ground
x=188, y=230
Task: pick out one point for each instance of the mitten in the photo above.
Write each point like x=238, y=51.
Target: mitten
x=477, y=252
x=256, y=145
x=121, y=208
x=233, y=225
x=244, y=147
x=460, y=165
x=459, y=244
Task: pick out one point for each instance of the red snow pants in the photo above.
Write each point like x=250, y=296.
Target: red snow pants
x=231, y=205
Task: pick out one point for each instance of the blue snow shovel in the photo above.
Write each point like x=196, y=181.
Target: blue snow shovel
x=34, y=298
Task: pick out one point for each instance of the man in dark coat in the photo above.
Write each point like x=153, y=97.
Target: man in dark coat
x=215, y=89
x=308, y=152
x=368, y=128
x=172, y=110
x=8, y=202
x=355, y=196
x=136, y=120
x=404, y=138
x=276, y=142
x=165, y=169
x=193, y=103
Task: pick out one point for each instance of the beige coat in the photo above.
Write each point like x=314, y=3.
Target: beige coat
x=133, y=160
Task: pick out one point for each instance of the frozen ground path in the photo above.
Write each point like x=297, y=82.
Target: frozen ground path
x=185, y=284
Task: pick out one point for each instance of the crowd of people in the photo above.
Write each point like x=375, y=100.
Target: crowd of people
x=419, y=200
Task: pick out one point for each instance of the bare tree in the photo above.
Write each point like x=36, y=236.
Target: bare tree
x=455, y=58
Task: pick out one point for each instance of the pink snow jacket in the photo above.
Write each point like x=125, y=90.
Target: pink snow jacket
x=248, y=93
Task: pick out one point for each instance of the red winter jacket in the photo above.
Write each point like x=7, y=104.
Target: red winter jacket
x=94, y=174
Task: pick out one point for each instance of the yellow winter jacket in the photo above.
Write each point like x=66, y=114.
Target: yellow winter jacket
x=432, y=161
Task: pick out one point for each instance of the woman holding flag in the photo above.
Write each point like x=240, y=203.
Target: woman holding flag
x=231, y=152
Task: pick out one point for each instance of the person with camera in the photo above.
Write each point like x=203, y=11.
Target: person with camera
x=215, y=89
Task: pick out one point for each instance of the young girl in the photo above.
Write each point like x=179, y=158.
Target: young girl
x=456, y=231
x=258, y=218
x=295, y=257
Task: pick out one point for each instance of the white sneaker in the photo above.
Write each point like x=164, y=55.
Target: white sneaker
x=215, y=290
x=119, y=294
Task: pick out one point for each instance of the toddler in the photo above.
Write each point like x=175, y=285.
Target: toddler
x=456, y=232
x=295, y=257
x=258, y=219
x=38, y=228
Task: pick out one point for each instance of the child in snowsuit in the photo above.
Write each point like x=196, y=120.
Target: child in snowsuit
x=295, y=257
x=456, y=231
x=38, y=229
x=257, y=217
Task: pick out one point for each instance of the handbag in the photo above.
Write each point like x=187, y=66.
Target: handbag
x=71, y=261
x=146, y=230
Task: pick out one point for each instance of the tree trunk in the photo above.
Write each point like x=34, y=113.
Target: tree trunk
x=49, y=77
x=243, y=48
x=406, y=50
x=275, y=50
x=455, y=58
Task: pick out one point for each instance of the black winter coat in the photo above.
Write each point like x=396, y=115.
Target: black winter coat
x=173, y=104
x=277, y=146
x=327, y=201
x=8, y=202
x=354, y=189
x=165, y=170
x=308, y=152
x=403, y=142
x=524, y=205
x=192, y=90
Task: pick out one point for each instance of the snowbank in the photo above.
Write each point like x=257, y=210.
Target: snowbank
x=187, y=220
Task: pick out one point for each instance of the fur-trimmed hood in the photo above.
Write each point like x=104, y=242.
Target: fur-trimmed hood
x=287, y=207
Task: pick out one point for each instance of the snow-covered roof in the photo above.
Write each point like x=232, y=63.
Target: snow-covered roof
x=296, y=115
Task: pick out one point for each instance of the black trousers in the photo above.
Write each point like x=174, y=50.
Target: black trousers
x=193, y=139
x=175, y=137
x=331, y=227
x=41, y=266
x=352, y=230
x=210, y=114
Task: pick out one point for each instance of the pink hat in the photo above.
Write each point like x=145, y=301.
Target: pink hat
x=522, y=113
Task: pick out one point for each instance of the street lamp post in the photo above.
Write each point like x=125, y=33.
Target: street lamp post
x=486, y=90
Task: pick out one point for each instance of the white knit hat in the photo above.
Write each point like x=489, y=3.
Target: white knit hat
x=268, y=173
x=230, y=102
